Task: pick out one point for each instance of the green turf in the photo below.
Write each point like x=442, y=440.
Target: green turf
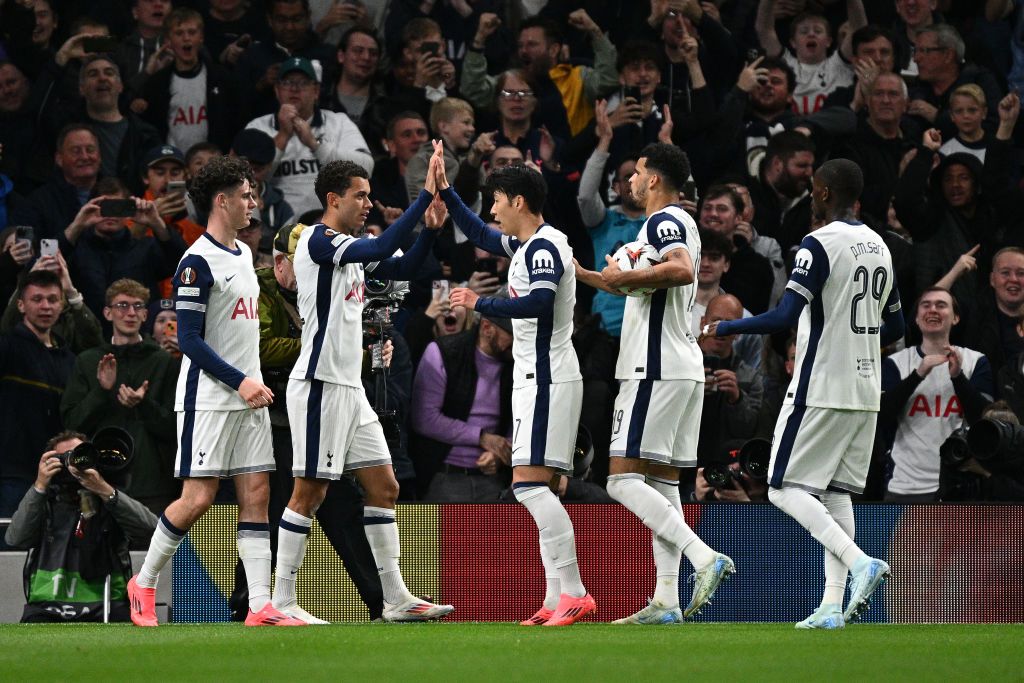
x=485, y=652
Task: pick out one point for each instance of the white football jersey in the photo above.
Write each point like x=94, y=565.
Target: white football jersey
x=844, y=271
x=542, y=347
x=219, y=283
x=330, y=303
x=656, y=338
x=931, y=414
x=815, y=82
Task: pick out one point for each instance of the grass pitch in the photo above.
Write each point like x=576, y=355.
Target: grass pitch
x=506, y=652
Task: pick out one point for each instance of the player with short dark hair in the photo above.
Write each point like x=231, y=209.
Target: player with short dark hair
x=841, y=291
x=334, y=429
x=221, y=401
x=547, y=389
x=658, y=409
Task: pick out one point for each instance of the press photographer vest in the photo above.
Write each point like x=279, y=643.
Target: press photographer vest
x=65, y=574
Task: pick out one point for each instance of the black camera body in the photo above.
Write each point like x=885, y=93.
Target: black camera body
x=753, y=458
x=110, y=452
x=383, y=297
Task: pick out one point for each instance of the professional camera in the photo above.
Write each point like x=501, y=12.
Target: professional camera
x=997, y=445
x=110, y=452
x=383, y=297
x=955, y=450
x=753, y=458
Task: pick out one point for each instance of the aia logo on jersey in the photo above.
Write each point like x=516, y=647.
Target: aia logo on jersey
x=357, y=293
x=188, y=276
x=247, y=309
x=668, y=230
x=926, y=406
x=543, y=262
x=802, y=261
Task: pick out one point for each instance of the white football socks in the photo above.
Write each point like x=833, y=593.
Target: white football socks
x=663, y=520
x=382, y=533
x=666, y=555
x=292, y=536
x=165, y=541
x=813, y=516
x=253, y=540
x=552, y=582
x=556, y=533
x=840, y=507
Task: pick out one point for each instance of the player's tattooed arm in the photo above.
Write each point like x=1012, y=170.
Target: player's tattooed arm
x=675, y=270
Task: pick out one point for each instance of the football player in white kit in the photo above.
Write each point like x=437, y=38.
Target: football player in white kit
x=841, y=291
x=547, y=390
x=334, y=429
x=661, y=393
x=221, y=401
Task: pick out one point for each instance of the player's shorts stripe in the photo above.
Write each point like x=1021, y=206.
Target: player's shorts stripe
x=786, y=445
x=654, y=328
x=638, y=418
x=323, y=312
x=541, y=413
x=189, y=306
x=187, y=427
x=807, y=366
x=313, y=407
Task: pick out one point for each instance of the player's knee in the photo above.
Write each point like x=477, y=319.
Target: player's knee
x=777, y=497
x=384, y=493
x=198, y=501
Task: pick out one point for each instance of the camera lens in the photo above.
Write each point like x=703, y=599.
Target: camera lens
x=717, y=475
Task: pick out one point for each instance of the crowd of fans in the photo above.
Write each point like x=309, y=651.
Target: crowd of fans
x=126, y=100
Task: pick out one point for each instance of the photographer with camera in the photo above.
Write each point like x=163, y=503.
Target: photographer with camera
x=738, y=474
x=733, y=390
x=77, y=525
x=929, y=392
x=986, y=464
x=129, y=382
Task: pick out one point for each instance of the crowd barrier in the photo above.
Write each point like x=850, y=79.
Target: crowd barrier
x=950, y=563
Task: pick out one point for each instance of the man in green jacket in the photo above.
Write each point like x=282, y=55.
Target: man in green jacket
x=129, y=382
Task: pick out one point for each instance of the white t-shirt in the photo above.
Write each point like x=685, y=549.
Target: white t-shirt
x=931, y=414
x=844, y=271
x=187, y=122
x=656, y=338
x=815, y=82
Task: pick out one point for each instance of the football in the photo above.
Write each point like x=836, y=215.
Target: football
x=636, y=256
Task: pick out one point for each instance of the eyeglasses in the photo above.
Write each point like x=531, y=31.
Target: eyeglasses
x=295, y=83
x=123, y=306
x=515, y=94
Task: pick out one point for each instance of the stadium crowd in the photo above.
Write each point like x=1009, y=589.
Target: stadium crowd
x=126, y=100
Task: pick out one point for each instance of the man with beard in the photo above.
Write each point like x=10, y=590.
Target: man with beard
x=780, y=191
x=564, y=92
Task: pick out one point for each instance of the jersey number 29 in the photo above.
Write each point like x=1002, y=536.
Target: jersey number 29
x=873, y=284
